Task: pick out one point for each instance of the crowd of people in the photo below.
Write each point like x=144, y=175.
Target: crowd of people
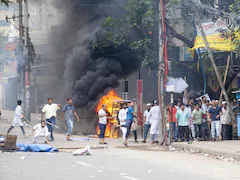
x=199, y=120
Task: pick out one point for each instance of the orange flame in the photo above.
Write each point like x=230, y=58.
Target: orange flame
x=109, y=100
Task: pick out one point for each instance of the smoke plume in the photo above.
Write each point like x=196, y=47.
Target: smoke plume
x=88, y=74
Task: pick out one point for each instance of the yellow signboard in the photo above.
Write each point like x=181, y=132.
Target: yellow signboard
x=216, y=42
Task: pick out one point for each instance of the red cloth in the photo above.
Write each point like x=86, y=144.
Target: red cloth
x=174, y=111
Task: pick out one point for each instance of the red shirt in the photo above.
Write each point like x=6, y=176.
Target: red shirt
x=174, y=111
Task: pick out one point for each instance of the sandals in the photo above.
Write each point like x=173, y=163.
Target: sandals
x=103, y=143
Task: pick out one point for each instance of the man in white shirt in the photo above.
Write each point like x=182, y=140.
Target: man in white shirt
x=225, y=121
x=102, y=114
x=41, y=131
x=147, y=123
x=122, y=116
x=50, y=111
x=155, y=117
x=17, y=120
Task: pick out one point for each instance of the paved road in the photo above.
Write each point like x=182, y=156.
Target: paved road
x=115, y=164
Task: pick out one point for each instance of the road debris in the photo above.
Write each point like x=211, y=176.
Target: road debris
x=23, y=157
x=190, y=151
x=83, y=151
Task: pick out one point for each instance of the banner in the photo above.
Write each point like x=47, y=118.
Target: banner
x=214, y=37
x=216, y=42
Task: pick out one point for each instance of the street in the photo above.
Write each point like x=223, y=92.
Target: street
x=117, y=164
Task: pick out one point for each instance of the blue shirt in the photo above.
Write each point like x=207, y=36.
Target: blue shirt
x=182, y=117
x=129, y=113
x=69, y=112
x=215, y=112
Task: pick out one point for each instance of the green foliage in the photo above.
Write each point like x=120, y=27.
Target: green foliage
x=139, y=17
x=235, y=7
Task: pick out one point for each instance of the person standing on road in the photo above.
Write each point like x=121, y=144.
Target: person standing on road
x=182, y=117
x=50, y=111
x=172, y=110
x=147, y=123
x=225, y=121
x=41, y=131
x=197, y=116
x=190, y=108
x=130, y=118
x=103, y=116
x=122, y=116
x=215, y=113
x=17, y=119
x=69, y=113
x=155, y=117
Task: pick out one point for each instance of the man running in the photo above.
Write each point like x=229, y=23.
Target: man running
x=130, y=118
x=18, y=118
x=50, y=111
x=69, y=113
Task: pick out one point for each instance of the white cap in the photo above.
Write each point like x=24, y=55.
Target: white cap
x=216, y=100
x=148, y=104
x=224, y=102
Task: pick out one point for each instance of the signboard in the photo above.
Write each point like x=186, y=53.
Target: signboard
x=176, y=85
x=214, y=37
x=211, y=28
x=140, y=101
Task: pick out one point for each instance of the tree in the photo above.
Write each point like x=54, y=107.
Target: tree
x=138, y=27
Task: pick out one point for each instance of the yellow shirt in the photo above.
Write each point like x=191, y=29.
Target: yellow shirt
x=50, y=110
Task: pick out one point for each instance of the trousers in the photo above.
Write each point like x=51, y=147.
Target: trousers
x=36, y=136
x=124, y=132
x=184, y=133
x=12, y=127
x=154, y=137
x=128, y=126
x=215, y=128
x=70, y=126
x=146, y=130
x=135, y=135
x=51, y=128
x=198, y=130
x=102, y=128
x=174, y=131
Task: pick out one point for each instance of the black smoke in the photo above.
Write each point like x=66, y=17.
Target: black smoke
x=89, y=72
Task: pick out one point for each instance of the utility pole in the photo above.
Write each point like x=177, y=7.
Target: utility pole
x=162, y=123
x=27, y=62
x=21, y=60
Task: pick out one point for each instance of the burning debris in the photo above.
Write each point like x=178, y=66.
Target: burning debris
x=110, y=100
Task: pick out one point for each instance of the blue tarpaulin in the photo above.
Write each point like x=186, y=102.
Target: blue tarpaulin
x=36, y=148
